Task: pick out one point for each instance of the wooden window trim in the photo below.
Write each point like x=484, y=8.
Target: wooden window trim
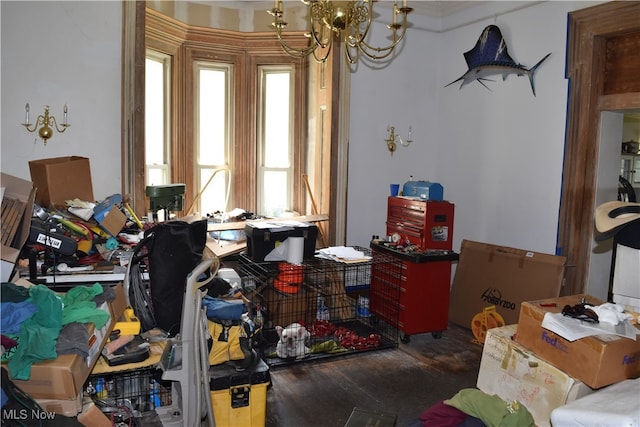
x=245, y=50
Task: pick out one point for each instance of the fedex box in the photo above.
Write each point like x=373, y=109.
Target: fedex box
x=489, y=275
x=512, y=372
x=597, y=361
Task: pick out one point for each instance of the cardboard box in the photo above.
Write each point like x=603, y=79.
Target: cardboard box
x=112, y=221
x=62, y=378
x=597, y=361
x=66, y=407
x=92, y=416
x=489, y=275
x=17, y=207
x=61, y=178
x=283, y=309
x=109, y=216
x=512, y=372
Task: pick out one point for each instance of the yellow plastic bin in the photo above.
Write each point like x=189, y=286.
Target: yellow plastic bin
x=240, y=398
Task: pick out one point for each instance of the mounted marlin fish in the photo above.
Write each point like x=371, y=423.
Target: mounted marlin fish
x=489, y=57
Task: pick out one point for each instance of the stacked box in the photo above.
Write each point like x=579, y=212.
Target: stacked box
x=512, y=372
x=597, y=361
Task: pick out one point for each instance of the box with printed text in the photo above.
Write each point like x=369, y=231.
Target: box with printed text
x=597, y=361
x=500, y=276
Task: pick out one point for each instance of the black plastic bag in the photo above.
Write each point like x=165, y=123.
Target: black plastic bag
x=172, y=250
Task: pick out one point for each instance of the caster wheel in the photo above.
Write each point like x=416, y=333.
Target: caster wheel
x=406, y=339
x=436, y=335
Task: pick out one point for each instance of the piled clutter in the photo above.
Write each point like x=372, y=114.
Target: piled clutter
x=53, y=225
x=531, y=375
x=51, y=342
x=552, y=358
x=545, y=366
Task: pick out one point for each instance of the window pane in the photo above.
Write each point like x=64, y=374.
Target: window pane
x=213, y=116
x=154, y=112
x=214, y=198
x=275, y=197
x=156, y=175
x=213, y=113
x=276, y=145
x=276, y=119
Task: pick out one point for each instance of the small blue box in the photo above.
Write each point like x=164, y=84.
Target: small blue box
x=424, y=190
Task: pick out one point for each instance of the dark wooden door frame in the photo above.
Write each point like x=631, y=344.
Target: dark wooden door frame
x=589, y=30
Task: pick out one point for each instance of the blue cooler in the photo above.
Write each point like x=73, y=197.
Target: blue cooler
x=423, y=190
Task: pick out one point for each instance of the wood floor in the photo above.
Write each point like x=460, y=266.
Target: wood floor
x=403, y=381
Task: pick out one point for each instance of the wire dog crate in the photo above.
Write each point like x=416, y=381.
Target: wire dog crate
x=129, y=393
x=329, y=298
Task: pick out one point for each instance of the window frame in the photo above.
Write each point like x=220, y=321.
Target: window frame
x=246, y=51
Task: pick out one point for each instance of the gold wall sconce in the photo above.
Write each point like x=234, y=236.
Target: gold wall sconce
x=46, y=122
x=393, y=139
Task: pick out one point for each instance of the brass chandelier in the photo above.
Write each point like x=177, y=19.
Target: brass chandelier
x=347, y=21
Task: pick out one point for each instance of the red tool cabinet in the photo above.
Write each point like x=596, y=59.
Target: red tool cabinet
x=420, y=302
x=422, y=232
x=425, y=223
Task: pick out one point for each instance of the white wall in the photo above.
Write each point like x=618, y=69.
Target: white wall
x=498, y=153
x=63, y=52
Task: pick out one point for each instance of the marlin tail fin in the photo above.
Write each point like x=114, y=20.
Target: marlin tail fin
x=532, y=71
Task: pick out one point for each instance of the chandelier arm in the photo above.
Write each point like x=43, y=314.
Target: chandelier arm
x=316, y=35
x=347, y=54
x=323, y=59
x=347, y=50
x=296, y=52
x=369, y=50
x=317, y=40
x=369, y=20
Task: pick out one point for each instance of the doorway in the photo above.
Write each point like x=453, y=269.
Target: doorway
x=601, y=78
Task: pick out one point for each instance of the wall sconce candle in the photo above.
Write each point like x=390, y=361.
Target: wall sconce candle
x=46, y=122
x=393, y=139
